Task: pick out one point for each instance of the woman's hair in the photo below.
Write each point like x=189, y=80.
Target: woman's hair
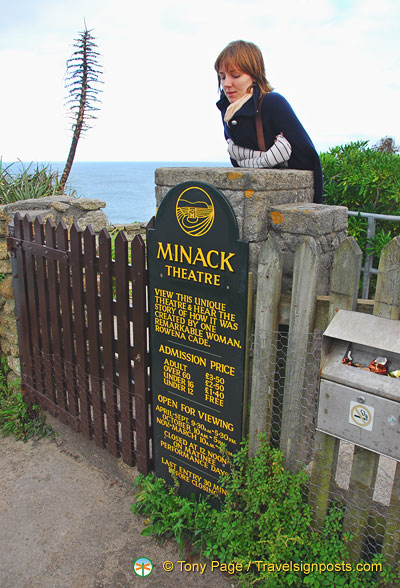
x=248, y=58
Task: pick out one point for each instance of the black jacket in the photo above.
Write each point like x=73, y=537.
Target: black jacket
x=277, y=117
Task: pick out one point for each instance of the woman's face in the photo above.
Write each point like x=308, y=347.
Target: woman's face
x=234, y=82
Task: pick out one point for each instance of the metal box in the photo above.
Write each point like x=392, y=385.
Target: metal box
x=356, y=404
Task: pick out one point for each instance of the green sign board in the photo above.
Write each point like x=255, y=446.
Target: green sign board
x=198, y=306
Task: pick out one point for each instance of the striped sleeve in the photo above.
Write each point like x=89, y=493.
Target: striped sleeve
x=280, y=151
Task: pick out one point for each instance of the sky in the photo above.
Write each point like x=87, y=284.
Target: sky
x=337, y=62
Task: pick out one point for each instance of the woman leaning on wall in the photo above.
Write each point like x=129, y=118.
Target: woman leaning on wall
x=260, y=126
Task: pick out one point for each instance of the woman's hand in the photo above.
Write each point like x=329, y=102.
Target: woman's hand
x=280, y=151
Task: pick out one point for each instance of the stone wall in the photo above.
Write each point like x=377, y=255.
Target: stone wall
x=130, y=230
x=85, y=211
x=271, y=202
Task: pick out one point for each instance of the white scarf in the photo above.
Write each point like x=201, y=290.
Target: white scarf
x=235, y=106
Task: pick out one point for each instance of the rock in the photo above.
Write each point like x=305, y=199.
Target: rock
x=6, y=287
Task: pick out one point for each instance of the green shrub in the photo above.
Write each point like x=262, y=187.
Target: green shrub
x=362, y=178
x=16, y=418
x=265, y=517
x=365, y=180
x=28, y=182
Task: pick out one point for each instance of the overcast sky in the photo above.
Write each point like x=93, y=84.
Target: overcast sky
x=336, y=61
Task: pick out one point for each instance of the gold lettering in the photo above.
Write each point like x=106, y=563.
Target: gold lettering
x=164, y=253
x=225, y=260
x=209, y=258
x=200, y=257
x=187, y=256
x=181, y=254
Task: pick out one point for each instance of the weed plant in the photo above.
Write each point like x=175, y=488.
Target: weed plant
x=265, y=517
x=28, y=182
x=16, y=417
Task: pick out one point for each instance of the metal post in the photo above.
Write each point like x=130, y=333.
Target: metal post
x=369, y=258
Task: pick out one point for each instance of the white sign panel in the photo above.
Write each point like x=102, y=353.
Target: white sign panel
x=361, y=415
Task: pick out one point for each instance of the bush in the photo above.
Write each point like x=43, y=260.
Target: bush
x=28, y=182
x=265, y=518
x=364, y=180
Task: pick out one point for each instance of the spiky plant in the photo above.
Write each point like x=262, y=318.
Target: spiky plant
x=82, y=78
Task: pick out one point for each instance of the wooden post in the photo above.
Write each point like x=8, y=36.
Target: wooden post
x=265, y=342
x=123, y=349
x=387, y=296
x=94, y=350
x=387, y=303
x=344, y=287
x=391, y=541
x=108, y=341
x=294, y=420
x=359, y=498
x=140, y=355
x=365, y=463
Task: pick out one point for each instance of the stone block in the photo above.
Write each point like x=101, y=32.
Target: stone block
x=10, y=335
x=15, y=365
x=161, y=191
x=13, y=350
x=8, y=321
x=5, y=216
x=97, y=219
x=5, y=266
x=236, y=200
x=130, y=230
x=60, y=206
x=5, y=346
x=308, y=218
x=6, y=287
x=89, y=203
x=9, y=348
x=4, y=227
x=9, y=307
x=22, y=206
x=229, y=178
x=3, y=249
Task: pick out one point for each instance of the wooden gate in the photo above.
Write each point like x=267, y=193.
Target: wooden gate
x=83, y=332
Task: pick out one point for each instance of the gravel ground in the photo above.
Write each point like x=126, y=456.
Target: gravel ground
x=66, y=521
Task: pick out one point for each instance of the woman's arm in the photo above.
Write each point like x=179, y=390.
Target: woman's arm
x=278, y=153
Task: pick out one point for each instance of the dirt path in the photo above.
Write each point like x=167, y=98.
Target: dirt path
x=66, y=521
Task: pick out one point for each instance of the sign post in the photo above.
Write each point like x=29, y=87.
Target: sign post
x=198, y=303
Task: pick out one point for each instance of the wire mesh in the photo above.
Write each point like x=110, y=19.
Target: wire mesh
x=363, y=484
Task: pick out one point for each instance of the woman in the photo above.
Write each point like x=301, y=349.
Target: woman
x=278, y=138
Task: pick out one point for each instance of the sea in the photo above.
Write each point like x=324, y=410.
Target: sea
x=127, y=188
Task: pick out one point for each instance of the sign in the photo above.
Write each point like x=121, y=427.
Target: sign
x=361, y=415
x=198, y=308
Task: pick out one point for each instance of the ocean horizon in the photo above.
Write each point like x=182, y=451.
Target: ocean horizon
x=127, y=188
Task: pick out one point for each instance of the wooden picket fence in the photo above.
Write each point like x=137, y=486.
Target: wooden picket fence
x=83, y=332
x=83, y=325
x=307, y=315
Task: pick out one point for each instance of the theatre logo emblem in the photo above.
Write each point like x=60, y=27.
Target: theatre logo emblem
x=195, y=211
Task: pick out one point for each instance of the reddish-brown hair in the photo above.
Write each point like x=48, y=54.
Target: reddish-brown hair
x=248, y=58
